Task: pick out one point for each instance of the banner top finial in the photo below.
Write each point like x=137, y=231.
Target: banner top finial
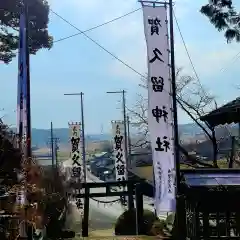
x=154, y=3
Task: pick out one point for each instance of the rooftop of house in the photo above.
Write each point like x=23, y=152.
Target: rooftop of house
x=226, y=114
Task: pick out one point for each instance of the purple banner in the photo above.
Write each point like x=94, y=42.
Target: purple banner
x=22, y=82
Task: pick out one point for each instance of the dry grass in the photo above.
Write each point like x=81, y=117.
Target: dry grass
x=109, y=234
x=101, y=237
x=118, y=238
x=147, y=171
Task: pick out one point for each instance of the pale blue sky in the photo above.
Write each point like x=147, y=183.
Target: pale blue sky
x=77, y=64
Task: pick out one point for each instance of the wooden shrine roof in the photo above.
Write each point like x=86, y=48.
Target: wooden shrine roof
x=227, y=114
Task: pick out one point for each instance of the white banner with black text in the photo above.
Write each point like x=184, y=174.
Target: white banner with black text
x=77, y=174
x=119, y=152
x=160, y=114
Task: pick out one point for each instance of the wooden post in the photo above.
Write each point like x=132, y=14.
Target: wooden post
x=130, y=195
x=139, y=208
x=86, y=212
x=181, y=222
x=232, y=157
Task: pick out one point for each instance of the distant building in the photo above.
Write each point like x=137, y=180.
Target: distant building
x=102, y=163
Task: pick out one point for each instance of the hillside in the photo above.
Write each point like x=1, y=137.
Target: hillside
x=40, y=137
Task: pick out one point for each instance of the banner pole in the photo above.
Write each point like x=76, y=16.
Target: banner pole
x=28, y=97
x=83, y=140
x=174, y=97
x=176, y=136
x=52, y=144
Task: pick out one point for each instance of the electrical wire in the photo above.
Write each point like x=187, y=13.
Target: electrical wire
x=93, y=28
x=98, y=26
x=104, y=49
x=234, y=59
x=116, y=57
x=188, y=54
x=95, y=42
x=99, y=45
x=110, y=53
x=191, y=62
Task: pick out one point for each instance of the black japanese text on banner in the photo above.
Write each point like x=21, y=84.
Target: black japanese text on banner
x=160, y=116
x=119, y=150
x=76, y=156
x=75, y=129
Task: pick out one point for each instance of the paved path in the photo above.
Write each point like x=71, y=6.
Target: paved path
x=103, y=216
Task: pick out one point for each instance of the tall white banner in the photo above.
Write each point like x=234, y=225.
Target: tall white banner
x=160, y=114
x=76, y=156
x=119, y=150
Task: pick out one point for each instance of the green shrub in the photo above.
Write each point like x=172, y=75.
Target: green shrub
x=170, y=222
x=126, y=223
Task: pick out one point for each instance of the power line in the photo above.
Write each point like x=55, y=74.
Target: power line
x=98, y=26
x=90, y=29
x=103, y=48
x=99, y=45
x=188, y=54
x=234, y=59
x=113, y=55
x=117, y=58
x=193, y=67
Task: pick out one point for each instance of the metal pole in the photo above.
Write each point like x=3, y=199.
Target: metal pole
x=28, y=100
x=176, y=137
x=130, y=198
x=28, y=151
x=129, y=142
x=83, y=140
x=56, y=151
x=83, y=133
x=125, y=130
x=238, y=134
x=52, y=144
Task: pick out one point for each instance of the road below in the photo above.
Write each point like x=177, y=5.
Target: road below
x=101, y=216
x=98, y=219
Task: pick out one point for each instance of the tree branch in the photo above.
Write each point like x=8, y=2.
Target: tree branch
x=191, y=97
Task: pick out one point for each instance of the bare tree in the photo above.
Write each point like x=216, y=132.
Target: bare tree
x=192, y=98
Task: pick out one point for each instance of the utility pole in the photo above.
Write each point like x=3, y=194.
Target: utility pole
x=56, y=147
x=130, y=200
x=83, y=132
x=52, y=145
x=28, y=94
x=129, y=142
x=179, y=220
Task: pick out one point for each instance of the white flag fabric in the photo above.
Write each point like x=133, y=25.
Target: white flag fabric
x=119, y=150
x=76, y=156
x=160, y=114
x=77, y=173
